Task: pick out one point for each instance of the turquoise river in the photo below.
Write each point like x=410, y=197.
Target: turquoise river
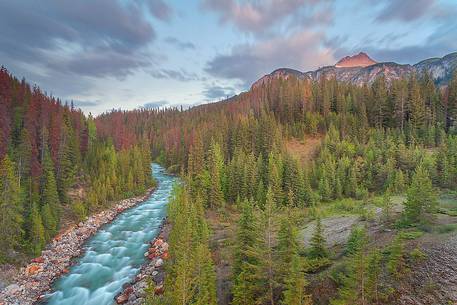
x=114, y=254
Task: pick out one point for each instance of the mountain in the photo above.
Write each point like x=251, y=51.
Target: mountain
x=359, y=60
x=440, y=68
x=360, y=69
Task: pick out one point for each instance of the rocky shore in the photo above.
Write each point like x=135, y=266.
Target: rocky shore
x=134, y=293
x=34, y=280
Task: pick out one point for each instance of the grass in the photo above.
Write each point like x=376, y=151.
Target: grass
x=343, y=207
x=410, y=234
x=447, y=204
x=447, y=228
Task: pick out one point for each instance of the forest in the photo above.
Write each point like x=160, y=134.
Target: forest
x=375, y=142
x=55, y=168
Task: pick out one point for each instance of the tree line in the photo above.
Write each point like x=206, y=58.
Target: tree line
x=49, y=150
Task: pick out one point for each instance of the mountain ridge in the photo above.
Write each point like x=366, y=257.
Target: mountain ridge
x=360, y=69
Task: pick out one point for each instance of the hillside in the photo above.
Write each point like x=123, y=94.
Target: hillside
x=306, y=189
x=55, y=169
x=375, y=165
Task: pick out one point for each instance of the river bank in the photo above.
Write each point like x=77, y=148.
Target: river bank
x=35, y=279
x=134, y=293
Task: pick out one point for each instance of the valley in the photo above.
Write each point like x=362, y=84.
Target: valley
x=336, y=186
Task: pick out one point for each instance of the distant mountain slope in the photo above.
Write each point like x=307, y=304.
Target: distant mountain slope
x=360, y=69
x=441, y=68
x=359, y=60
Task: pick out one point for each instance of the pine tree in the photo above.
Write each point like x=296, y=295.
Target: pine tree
x=265, y=269
x=216, y=164
x=318, y=248
x=353, y=289
x=356, y=240
x=421, y=198
x=50, y=210
x=396, y=263
x=374, y=277
x=10, y=208
x=67, y=162
x=245, y=236
x=295, y=288
x=287, y=244
x=387, y=207
x=451, y=114
x=37, y=232
x=275, y=178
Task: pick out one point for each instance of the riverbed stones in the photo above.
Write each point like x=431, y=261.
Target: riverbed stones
x=152, y=270
x=34, y=280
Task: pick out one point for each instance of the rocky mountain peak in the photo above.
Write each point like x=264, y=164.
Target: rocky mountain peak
x=358, y=60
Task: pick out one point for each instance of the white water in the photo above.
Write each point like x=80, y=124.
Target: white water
x=115, y=253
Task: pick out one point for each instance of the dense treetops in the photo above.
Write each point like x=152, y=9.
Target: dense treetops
x=379, y=138
x=376, y=138
x=48, y=148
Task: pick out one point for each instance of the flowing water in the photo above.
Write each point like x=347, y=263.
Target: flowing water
x=115, y=253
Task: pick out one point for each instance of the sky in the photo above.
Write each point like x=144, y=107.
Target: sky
x=126, y=54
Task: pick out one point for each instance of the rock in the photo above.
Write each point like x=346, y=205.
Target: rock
x=39, y=260
x=165, y=246
x=12, y=289
x=158, y=290
x=33, y=269
x=121, y=299
x=158, y=242
x=33, y=281
x=158, y=263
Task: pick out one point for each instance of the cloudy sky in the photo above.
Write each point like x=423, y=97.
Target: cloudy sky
x=105, y=54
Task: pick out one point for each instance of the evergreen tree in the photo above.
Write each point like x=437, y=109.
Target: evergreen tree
x=318, y=248
x=10, y=208
x=50, y=210
x=216, y=167
x=287, y=245
x=37, y=232
x=355, y=282
x=421, y=198
x=265, y=269
x=295, y=288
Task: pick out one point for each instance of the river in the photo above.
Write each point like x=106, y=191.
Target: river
x=115, y=253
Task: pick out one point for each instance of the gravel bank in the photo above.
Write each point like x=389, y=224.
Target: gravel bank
x=35, y=279
x=134, y=293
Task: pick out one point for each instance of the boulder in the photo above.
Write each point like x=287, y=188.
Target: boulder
x=158, y=290
x=121, y=299
x=165, y=246
x=158, y=263
x=33, y=269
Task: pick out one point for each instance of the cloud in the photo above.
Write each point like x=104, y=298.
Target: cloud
x=100, y=63
x=86, y=103
x=410, y=10
x=439, y=43
x=184, y=45
x=302, y=50
x=258, y=16
x=216, y=92
x=82, y=37
x=156, y=104
x=179, y=75
x=160, y=9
